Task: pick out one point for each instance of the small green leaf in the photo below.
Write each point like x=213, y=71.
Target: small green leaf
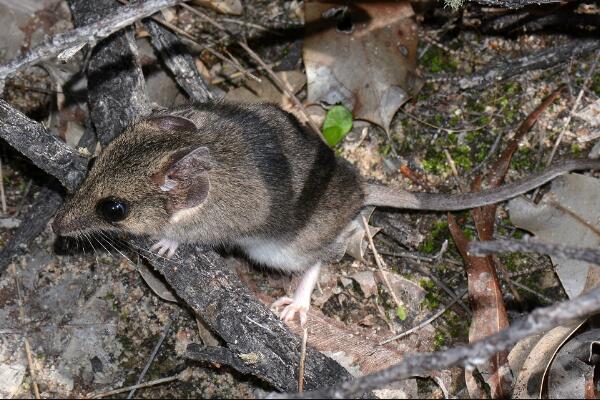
x=338, y=123
x=401, y=312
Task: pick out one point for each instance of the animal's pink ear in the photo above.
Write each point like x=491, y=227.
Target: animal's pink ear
x=185, y=178
x=171, y=122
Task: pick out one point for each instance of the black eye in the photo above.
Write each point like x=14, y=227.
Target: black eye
x=112, y=210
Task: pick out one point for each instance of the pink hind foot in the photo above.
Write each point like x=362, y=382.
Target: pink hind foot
x=291, y=309
x=300, y=303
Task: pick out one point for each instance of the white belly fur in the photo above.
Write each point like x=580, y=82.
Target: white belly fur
x=273, y=254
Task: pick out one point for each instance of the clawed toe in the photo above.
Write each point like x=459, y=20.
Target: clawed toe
x=290, y=310
x=165, y=247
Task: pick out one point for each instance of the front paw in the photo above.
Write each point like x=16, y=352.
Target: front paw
x=292, y=307
x=166, y=247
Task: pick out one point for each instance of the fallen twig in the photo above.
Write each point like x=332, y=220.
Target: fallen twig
x=175, y=57
x=151, y=358
x=538, y=60
x=116, y=87
x=302, y=361
x=425, y=322
x=86, y=34
x=379, y=261
x=258, y=343
x=574, y=108
x=540, y=320
x=281, y=86
x=591, y=255
x=32, y=224
x=182, y=376
x=43, y=149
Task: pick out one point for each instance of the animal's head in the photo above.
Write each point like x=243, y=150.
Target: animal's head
x=140, y=181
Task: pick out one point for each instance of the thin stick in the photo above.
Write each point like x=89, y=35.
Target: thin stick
x=427, y=321
x=151, y=358
x=36, y=390
x=302, y=361
x=447, y=130
x=530, y=290
x=574, y=108
x=591, y=255
x=166, y=24
x=2, y=196
x=121, y=18
x=380, y=265
x=217, y=25
x=183, y=375
x=281, y=86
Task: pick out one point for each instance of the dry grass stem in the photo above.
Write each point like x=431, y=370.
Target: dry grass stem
x=427, y=321
x=381, y=265
x=574, y=108
x=302, y=361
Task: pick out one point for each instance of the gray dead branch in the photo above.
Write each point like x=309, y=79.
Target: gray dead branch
x=85, y=34
x=535, y=61
x=568, y=252
x=116, y=87
x=514, y=4
x=33, y=223
x=44, y=150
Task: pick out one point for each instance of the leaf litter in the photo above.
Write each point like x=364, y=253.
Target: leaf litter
x=369, y=156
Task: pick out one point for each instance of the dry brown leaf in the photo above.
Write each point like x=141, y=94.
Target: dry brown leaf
x=489, y=314
x=158, y=287
x=357, y=349
x=529, y=377
x=366, y=282
x=568, y=214
x=370, y=67
x=571, y=374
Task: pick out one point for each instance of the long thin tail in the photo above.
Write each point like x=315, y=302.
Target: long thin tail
x=383, y=196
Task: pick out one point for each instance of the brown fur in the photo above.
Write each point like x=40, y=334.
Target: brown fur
x=271, y=179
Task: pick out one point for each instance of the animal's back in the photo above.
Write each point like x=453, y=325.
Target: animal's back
x=275, y=183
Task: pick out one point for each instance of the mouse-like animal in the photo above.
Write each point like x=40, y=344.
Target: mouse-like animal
x=250, y=177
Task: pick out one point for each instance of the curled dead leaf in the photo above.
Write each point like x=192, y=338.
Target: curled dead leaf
x=362, y=55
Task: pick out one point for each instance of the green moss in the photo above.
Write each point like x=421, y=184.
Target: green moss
x=462, y=157
x=437, y=60
x=439, y=340
x=426, y=284
x=595, y=84
x=576, y=149
x=385, y=150
x=454, y=121
x=436, y=235
x=431, y=301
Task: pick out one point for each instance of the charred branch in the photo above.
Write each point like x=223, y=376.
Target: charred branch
x=177, y=59
x=44, y=150
x=254, y=335
x=538, y=60
x=116, y=86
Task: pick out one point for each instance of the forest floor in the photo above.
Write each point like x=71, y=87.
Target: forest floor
x=93, y=323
